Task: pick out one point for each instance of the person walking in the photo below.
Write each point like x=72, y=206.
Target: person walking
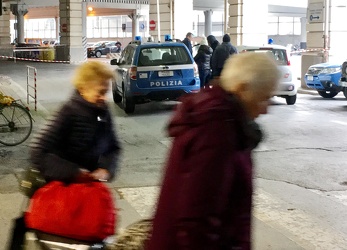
x=203, y=60
x=205, y=199
x=79, y=144
x=221, y=54
x=188, y=42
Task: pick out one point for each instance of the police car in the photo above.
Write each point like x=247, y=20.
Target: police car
x=153, y=72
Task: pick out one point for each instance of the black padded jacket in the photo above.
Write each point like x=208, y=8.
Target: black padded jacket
x=80, y=135
x=203, y=57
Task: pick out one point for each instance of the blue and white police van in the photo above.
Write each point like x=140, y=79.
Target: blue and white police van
x=153, y=71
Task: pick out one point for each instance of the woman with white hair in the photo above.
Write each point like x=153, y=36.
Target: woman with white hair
x=203, y=60
x=206, y=195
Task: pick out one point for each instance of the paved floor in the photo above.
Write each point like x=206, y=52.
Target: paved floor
x=133, y=204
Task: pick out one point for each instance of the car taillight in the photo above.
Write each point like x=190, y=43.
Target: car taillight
x=196, y=71
x=288, y=61
x=132, y=73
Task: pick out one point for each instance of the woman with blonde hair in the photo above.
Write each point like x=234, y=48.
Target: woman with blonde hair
x=79, y=144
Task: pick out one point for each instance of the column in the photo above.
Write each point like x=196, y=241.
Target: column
x=208, y=22
x=247, y=22
x=135, y=23
x=72, y=30
x=5, y=33
x=57, y=28
x=303, y=36
x=19, y=10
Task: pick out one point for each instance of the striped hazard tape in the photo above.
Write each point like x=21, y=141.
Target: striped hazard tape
x=40, y=60
x=35, y=60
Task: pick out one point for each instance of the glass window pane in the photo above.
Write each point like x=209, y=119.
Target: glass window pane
x=272, y=28
x=285, y=28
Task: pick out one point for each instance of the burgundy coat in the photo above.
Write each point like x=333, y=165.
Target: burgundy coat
x=206, y=196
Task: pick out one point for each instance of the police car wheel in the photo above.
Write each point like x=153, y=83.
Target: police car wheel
x=344, y=91
x=128, y=104
x=327, y=94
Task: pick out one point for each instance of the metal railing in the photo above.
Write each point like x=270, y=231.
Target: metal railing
x=31, y=85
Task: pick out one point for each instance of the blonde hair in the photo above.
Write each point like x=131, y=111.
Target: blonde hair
x=203, y=41
x=258, y=70
x=92, y=72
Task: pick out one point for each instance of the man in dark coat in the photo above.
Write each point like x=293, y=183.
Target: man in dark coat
x=221, y=54
x=188, y=42
x=212, y=42
x=206, y=196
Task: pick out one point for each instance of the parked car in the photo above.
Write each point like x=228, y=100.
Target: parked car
x=324, y=77
x=343, y=79
x=153, y=72
x=287, y=87
x=102, y=48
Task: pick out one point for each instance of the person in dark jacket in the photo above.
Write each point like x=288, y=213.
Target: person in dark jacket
x=206, y=196
x=188, y=42
x=212, y=42
x=203, y=59
x=79, y=144
x=221, y=54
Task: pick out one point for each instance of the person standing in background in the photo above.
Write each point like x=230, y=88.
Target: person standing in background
x=203, y=60
x=119, y=47
x=220, y=55
x=188, y=42
x=205, y=200
x=212, y=42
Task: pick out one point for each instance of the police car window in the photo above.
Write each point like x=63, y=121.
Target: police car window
x=129, y=55
x=163, y=56
x=123, y=55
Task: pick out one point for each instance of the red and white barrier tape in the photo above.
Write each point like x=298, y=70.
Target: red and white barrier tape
x=40, y=60
x=35, y=60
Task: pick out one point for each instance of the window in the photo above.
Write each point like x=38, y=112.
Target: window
x=284, y=25
x=167, y=56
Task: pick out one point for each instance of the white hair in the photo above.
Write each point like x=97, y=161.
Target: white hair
x=258, y=70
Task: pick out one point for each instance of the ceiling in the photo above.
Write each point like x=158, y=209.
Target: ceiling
x=276, y=7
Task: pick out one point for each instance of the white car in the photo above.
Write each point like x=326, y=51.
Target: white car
x=287, y=88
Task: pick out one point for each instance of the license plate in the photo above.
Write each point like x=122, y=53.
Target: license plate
x=310, y=78
x=165, y=73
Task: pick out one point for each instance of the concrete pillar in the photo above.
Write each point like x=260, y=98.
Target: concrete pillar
x=19, y=10
x=71, y=30
x=208, y=22
x=57, y=28
x=20, y=28
x=175, y=18
x=303, y=36
x=135, y=23
x=5, y=33
x=247, y=22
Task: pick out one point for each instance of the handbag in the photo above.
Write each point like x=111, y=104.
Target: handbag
x=82, y=211
x=31, y=180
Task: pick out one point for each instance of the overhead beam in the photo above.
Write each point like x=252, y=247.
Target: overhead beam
x=278, y=10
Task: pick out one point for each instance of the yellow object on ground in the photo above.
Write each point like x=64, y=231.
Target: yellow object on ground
x=4, y=99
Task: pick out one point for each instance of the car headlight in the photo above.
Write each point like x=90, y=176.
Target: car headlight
x=331, y=70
